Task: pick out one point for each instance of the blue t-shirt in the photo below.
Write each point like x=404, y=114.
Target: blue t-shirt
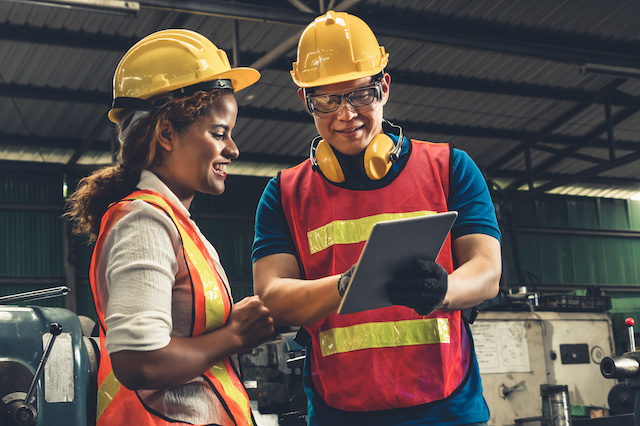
x=476, y=214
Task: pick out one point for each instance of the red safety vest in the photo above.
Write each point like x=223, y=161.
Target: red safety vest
x=117, y=405
x=389, y=357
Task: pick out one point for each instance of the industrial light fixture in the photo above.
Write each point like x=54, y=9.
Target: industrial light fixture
x=107, y=6
x=626, y=72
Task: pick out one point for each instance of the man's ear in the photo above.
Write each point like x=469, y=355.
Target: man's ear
x=386, y=83
x=164, y=132
x=301, y=94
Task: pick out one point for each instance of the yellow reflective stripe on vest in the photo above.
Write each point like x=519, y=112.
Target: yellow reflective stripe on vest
x=220, y=372
x=384, y=335
x=213, y=299
x=106, y=392
x=351, y=231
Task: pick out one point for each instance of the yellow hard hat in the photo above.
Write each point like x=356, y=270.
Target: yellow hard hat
x=337, y=47
x=170, y=60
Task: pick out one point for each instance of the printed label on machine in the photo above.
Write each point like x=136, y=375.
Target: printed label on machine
x=501, y=347
x=58, y=371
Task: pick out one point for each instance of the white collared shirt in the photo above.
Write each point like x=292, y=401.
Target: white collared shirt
x=143, y=278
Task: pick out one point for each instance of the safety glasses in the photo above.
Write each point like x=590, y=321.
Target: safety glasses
x=327, y=103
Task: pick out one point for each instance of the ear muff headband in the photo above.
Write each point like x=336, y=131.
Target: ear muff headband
x=380, y=154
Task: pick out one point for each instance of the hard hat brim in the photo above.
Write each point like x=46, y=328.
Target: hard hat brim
x=241, y=78
x=335, y=79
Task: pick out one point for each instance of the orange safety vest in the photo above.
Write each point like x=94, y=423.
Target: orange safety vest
x=117, y=405
x=389, y=357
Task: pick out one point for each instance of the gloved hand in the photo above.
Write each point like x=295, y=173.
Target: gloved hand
x=343, y=281
x=422, y=286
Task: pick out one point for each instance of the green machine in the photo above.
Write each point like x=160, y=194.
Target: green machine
x=47, y=366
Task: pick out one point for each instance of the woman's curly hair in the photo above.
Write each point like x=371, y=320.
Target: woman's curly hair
x=139, y=150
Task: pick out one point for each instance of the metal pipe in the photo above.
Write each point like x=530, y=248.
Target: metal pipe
x=559, y=409
x=614, y=71
x=620, y=367
x=35, y=295
x=630, y=322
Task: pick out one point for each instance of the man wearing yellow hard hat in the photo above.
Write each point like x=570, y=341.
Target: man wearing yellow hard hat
x=411, y=363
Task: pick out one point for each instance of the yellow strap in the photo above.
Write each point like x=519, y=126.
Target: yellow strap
x=351, y=231
x=220, y=372
x=106, y=392
x=214, y=305
x=384, y=335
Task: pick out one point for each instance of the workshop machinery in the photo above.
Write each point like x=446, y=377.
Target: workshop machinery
x=527, y=358
x=272, y=374
x=627, y=368
x=48, y=366
x=49, y=361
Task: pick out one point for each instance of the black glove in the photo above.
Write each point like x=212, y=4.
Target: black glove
x=422, y=286
x=343, y=281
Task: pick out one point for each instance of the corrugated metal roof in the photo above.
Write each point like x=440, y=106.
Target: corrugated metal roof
x=494, y=77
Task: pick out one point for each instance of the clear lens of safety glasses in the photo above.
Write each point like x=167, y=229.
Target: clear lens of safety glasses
x=358, y=98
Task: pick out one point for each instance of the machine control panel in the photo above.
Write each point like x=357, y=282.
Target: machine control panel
x=575, y=354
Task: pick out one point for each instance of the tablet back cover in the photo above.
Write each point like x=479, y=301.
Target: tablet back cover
x=391, y=246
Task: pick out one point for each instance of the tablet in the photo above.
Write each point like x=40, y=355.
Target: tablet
x=391, y=245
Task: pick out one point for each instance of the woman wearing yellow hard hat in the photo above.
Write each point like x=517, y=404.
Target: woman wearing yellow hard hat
x=168, y=333
x=409, y=360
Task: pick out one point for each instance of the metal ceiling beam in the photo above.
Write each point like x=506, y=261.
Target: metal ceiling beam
x=433, y=80
x=420, y=27
x=67, y=38
x=47, y=93
x=519, y=44
x=578, y=142
x=118, y=7
x=38, y=141
x=224, y=9
x=577, y=177
x=577, y=156
x=80, y=39
x=438, y=29
x=507, y=88
x=588, y=140
x=255, y=113
x=601, y=180
x=292, y=160
x=298, y=4
x=555, y=124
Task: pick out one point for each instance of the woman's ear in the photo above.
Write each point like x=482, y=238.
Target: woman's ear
x=164, y=133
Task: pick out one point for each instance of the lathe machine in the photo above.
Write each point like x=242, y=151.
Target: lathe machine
x=47, y=365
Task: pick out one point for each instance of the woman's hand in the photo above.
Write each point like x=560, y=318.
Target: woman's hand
x=251, y=322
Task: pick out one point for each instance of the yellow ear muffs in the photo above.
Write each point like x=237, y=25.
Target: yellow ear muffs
x=377, y=160
x=328, y=163
x=380, y=154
